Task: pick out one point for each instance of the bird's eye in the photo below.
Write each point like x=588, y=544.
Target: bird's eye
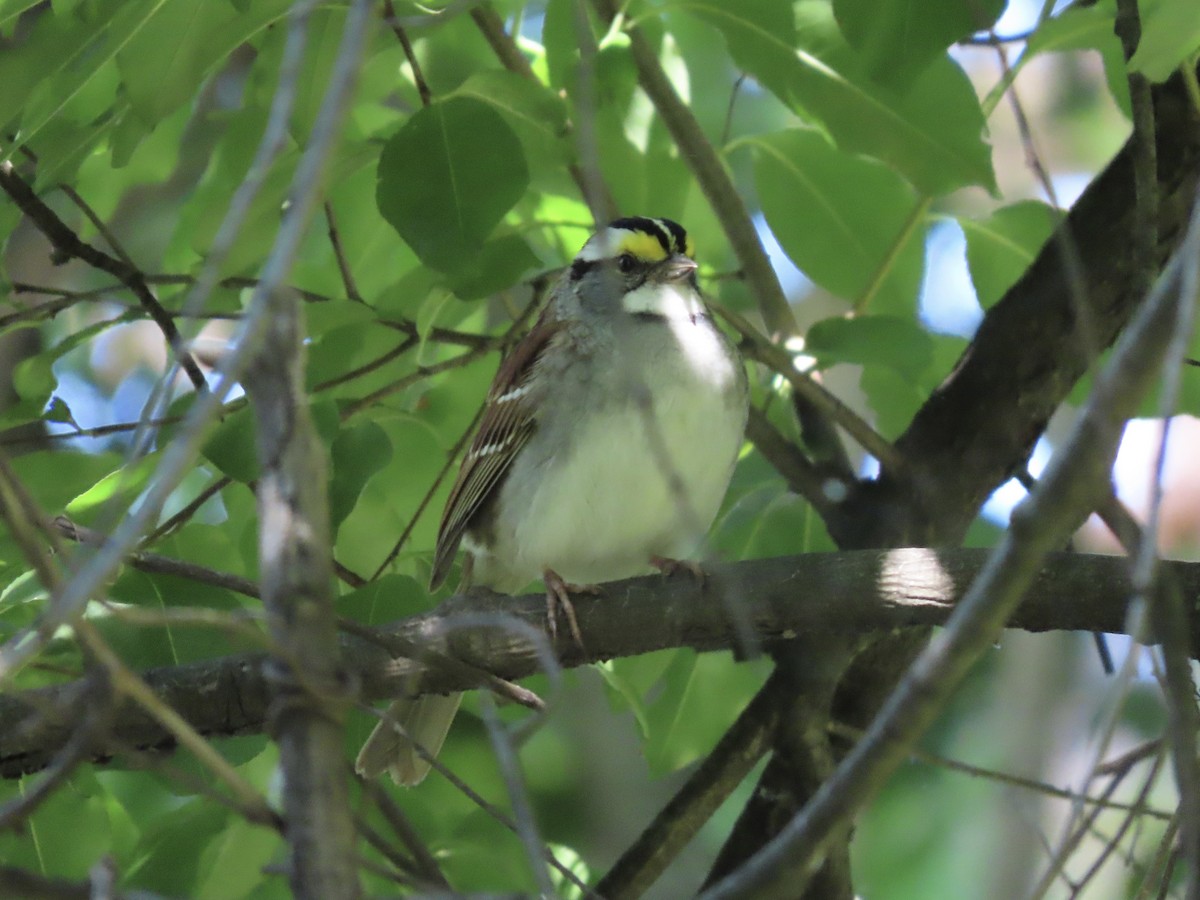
x=626, y=263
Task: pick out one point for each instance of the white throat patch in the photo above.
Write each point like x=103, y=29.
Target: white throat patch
x=670, y=300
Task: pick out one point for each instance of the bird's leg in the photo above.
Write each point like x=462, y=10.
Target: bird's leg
x=558, y=594
x=669, y=567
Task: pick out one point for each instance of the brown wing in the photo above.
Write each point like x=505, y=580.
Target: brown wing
x=508, y=421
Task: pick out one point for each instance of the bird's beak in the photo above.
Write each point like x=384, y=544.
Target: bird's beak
x=676, y=268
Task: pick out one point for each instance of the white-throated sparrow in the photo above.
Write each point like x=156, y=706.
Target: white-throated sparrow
x=605, y=447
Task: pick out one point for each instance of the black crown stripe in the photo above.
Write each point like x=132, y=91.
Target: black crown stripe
x=646, y=226
x=677, y=232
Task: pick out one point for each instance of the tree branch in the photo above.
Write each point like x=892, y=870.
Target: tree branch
x=308, y=689
x=68, y=243
x=863, y=592
x=1076, y=480
x=982, y=422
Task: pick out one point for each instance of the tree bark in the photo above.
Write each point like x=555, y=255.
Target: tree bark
x=818, y=596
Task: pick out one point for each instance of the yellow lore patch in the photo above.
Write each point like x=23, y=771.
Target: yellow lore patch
x=643, y=246
x=649, y=240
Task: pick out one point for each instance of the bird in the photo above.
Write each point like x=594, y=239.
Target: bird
x=606, y=443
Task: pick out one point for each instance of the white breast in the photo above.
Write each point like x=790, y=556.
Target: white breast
x=644, y=477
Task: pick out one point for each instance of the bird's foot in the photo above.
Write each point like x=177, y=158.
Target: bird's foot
x=669, y=567
x=558, y=595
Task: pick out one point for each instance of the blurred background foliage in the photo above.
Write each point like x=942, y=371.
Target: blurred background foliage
x=881, y=159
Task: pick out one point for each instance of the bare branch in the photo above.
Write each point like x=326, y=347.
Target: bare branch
x=68, y=243
x=859, y=592
x=309, y=696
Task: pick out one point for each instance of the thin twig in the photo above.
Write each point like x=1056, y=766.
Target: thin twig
x=1080, y=827
x=518, y=796
x=309, y=691
x=125, y=682
x=98, y=224
x=451, y=457
x=67, y=242
x=93, y=713
x=339, y=253
x=423, y=91
x=759, y=347
x=422, y=372
x=426, y=865
x=367, y=368
x=1127, y=821
x=1157, y=873
x=188, y=511
x=1165, y=601
x=145, y=561
x=789, y=460
x=1006, y=778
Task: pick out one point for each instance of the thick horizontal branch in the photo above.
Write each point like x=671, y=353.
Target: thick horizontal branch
x=861, y=591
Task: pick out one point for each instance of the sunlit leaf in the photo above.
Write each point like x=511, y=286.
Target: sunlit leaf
x=447, y=177
x=1002, y=246
x=115, y=492
x=851, y=225
x=1170, y=36
x=899, y=38
x=888, y=341
x=932, y=132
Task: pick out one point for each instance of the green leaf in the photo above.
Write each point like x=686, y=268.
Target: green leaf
x=10, y=11
x=33, y=378
x=770, y=521
x=71, y=55
x=170, y=854
x=852, y=225
x=561, y=42
x=58, y=411
x=63, y=145
x=384, y=600
x=69, y=829
x=343, y=349
x=181, y=42
x=1078, y=27
x=536, y=115
x=115, y=492
x=499, y=264
x=761, y=35
x=231, y=446
x=898, y=38
x=171, y=644
x=1170, y=37
x=893, y=398
x=1001, y=247
x=236, y=862
x=392, y=496
x=359, y=451
x=54, y=478
x=700, y=695
x=448, y=177
x=887, y=341
x=623, y=694
x=51, y=45
x=932, y=133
